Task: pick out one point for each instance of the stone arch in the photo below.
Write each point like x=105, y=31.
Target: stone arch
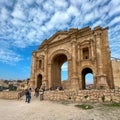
x=84, y=48
x=57, y=59
x=39, y=80
x=89, y=66
x=85, y=70
x=39, y=71
x=60, y=51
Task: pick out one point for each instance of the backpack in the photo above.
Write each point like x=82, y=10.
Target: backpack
x=27, y=93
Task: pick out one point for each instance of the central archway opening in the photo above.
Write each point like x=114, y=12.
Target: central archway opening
x=57, y=62
x=87, y=79
x=64, y=71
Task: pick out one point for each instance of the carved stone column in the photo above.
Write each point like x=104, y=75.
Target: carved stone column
x=33, y=68
x=74, y=57
x=78, y=54
x=92, y=45
x=45, y=77
x=99, y=56
x=49, y=75
x=74, y=80
x=101, y=77
x=81, y=54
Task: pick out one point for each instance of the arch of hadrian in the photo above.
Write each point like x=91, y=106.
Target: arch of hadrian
x=85, y=50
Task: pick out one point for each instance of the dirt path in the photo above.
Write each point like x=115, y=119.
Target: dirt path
x=46, y=110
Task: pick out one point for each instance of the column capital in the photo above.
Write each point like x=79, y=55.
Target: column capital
x=45, y=50
x=97, y=33
x=73, y=39
x=78, y=46
x=73, y=42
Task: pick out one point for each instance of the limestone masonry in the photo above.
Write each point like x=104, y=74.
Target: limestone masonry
x=85, y=50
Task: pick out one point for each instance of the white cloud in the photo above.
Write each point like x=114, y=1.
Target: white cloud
x=115, y=51
x=72, y=10
x=97, y=23
x=4, y=43
x=114, y=11
x=58, y=18
x=49, y=6
x=86, y=7
x=7, y=3
x=4, y=14
x=30, y=2
x=114, y=29
x=8, y=56
x=62, y=4
x=39, y=1
x=17, y=22
x=18, y=12
x=89, y=17
x=28, y=22
x=114, y=21
x=114, y=8
x=115, y=2
x=38, y=16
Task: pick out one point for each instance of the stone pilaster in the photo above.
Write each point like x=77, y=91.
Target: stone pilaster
x=92, y=49
x=49, y=75
x=74, y=57
x=74, y=79
x=45, y=78
x=78, y=54
x=32, y=78
x=101, y=77
x=98, y=50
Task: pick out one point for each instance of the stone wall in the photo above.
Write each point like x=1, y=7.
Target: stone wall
x=116, y=72
x=9, y=95
x=83, y=95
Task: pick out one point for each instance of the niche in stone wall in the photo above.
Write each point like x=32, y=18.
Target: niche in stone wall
x=85, y=53
x=40, y=63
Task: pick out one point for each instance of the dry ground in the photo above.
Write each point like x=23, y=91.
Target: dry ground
x=46, y=110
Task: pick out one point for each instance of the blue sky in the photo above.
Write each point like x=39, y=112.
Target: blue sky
x=24, y=24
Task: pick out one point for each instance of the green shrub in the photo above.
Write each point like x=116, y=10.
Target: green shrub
x=114, y=104
x=86, y=96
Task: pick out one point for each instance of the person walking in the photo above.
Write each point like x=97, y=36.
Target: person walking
x=28, y=95
x=36, y=91
x=41, y=94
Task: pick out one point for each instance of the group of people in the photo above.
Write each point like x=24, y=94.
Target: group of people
x=56, y=88
x=36, y=94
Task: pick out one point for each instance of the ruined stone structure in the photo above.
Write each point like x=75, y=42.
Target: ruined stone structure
x=116, y=72
x=85, y=50
x=87, y=96
x=8, y=95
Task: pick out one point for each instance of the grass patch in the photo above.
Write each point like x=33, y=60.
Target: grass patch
x=62, y=102
x=114, y=104
x=84, y=106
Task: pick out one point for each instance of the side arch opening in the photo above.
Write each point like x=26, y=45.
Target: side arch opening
x=39, y=81
x=87, y=78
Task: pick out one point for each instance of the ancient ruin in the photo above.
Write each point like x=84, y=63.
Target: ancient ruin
x=116, y=72
x=85, y=50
